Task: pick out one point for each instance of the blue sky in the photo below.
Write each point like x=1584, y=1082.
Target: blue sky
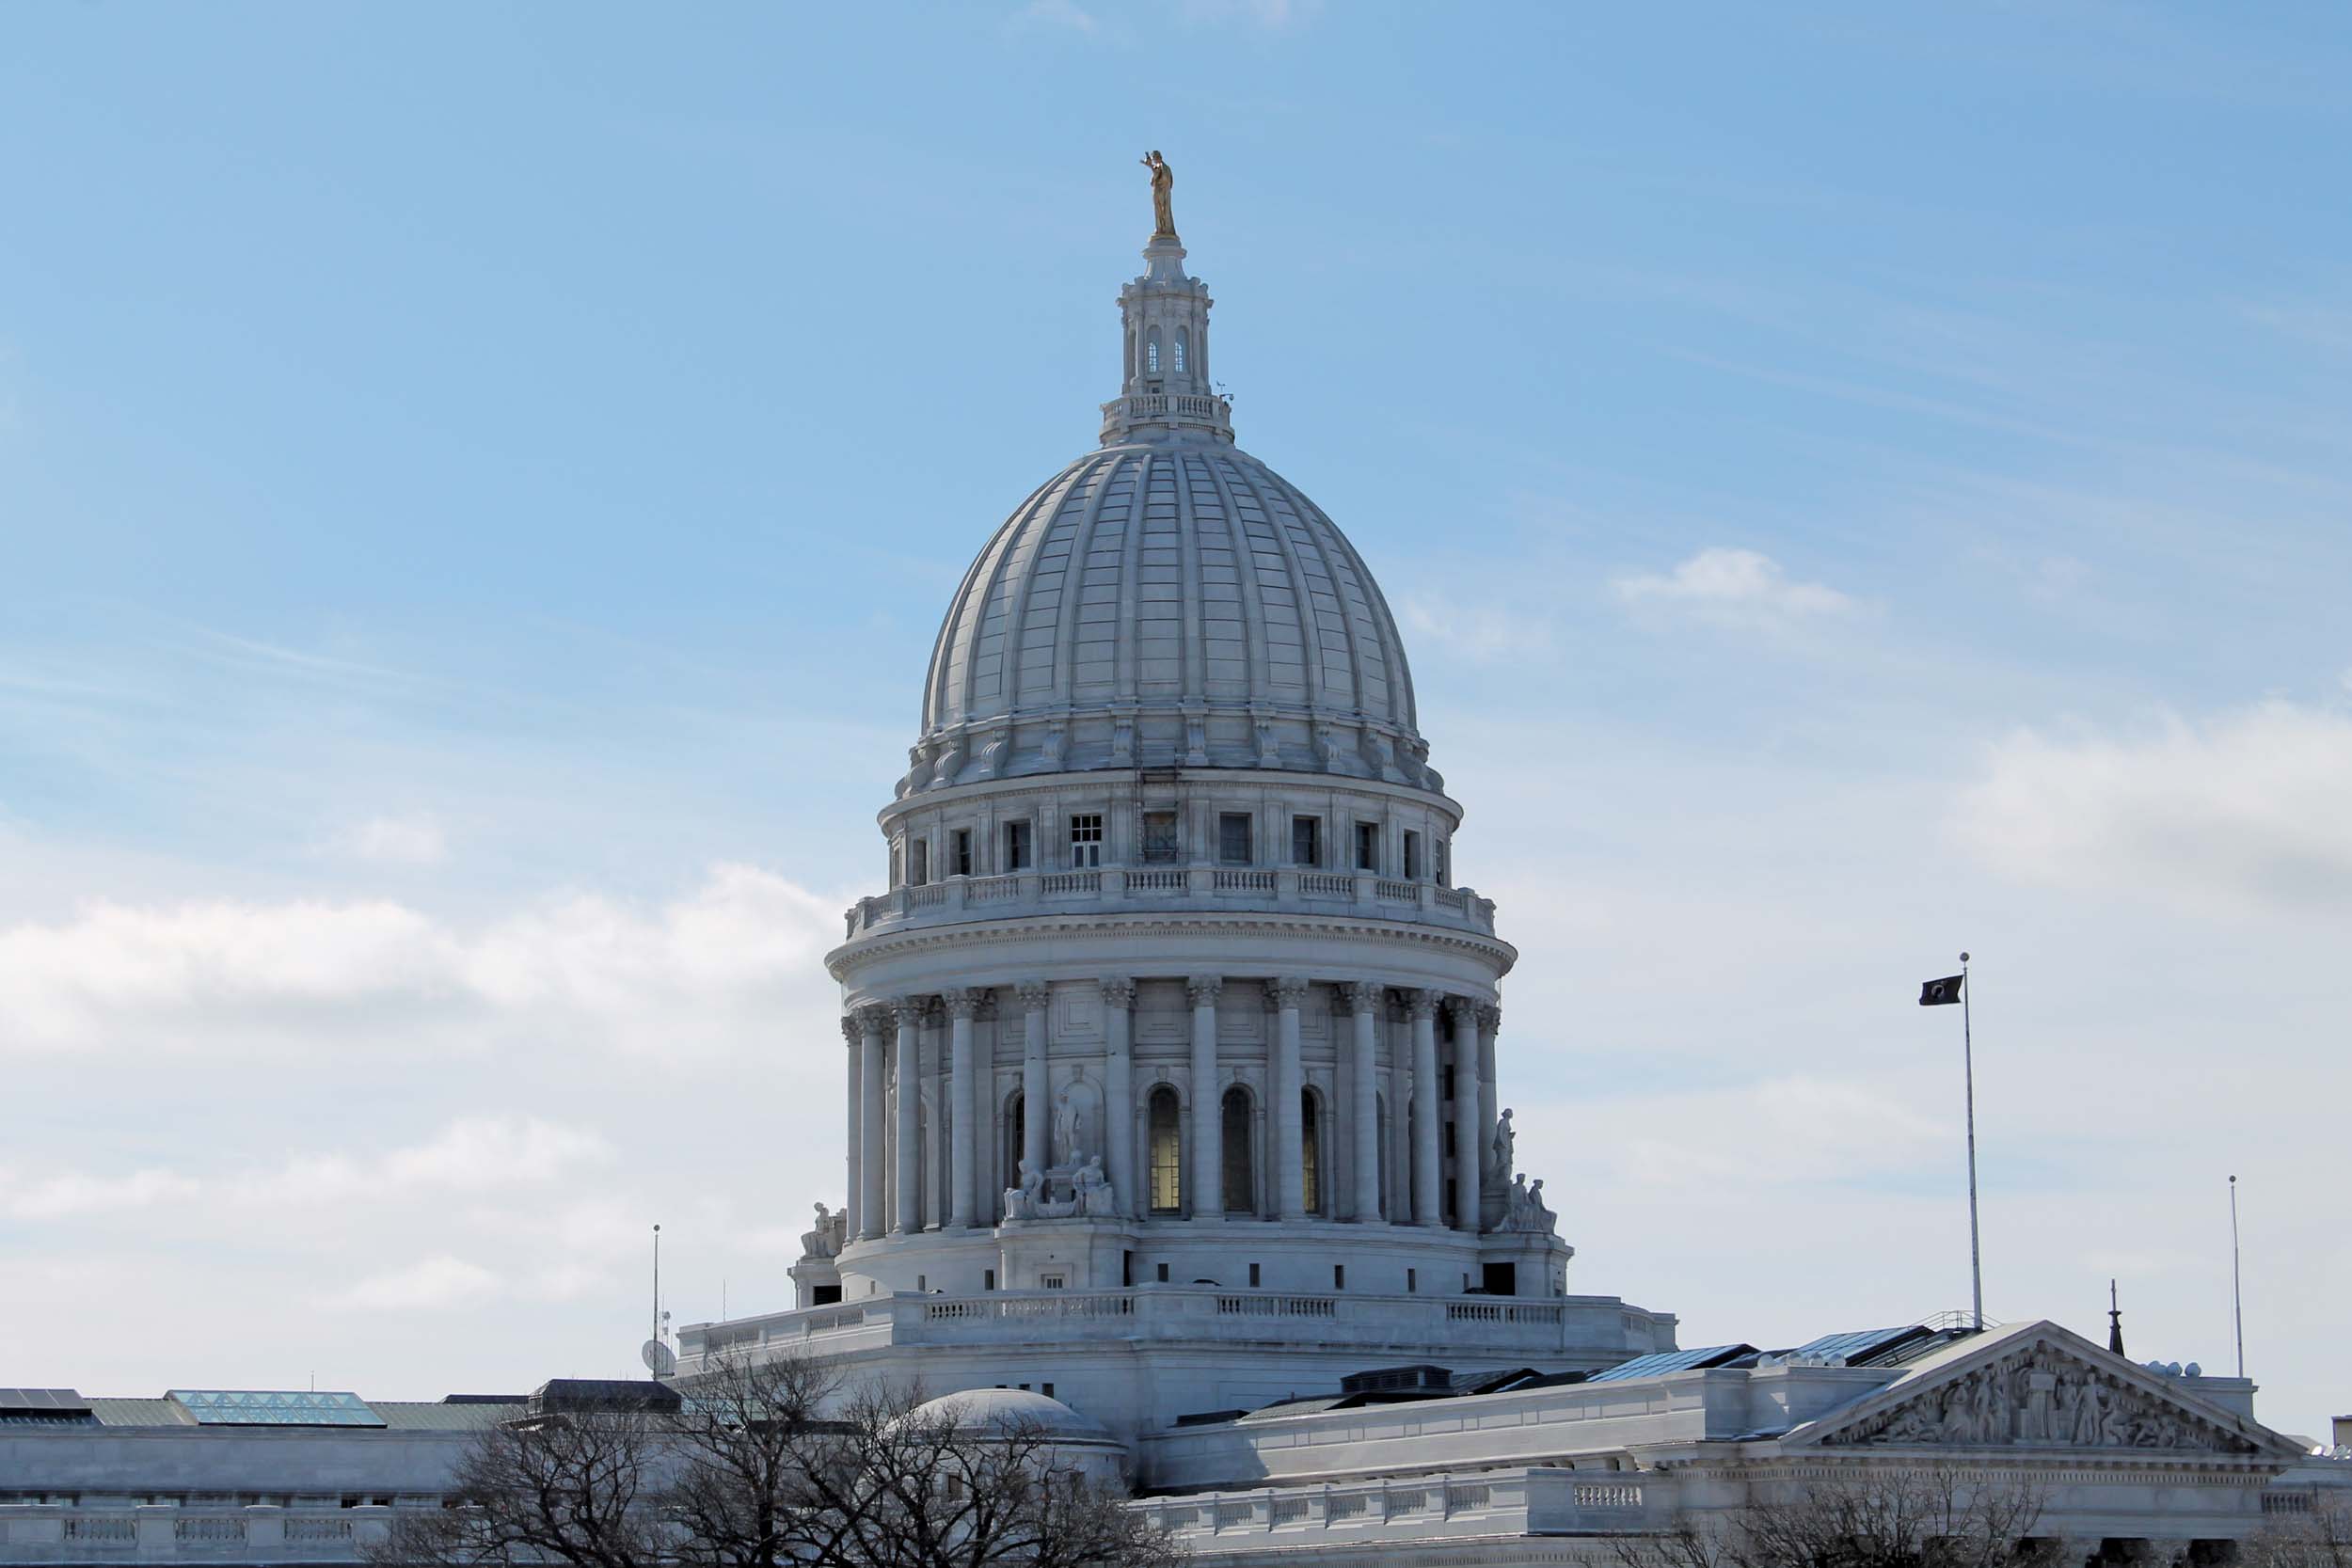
x=477, y=487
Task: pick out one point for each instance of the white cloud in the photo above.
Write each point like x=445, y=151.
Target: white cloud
x=1481, y=633
x=2243, y=811
x=1060, y=13
x=1735, y=587
x=431, y=1283
x=232, y=978
x=68, y=1194
x=396, y=841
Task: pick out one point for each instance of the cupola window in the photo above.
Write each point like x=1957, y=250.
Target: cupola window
x=1086, y=841
x=1152, y=353
x=1167, y=1194
x=1183, y=342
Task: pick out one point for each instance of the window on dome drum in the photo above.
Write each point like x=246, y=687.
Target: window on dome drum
x=1181, y=344
x=1016, y=846
x=1159, y=837
x=918, y=862
x=894, y=865
x=1240, y=1187
x=1444, y=865
x=1311, y=1152
x=1412, y=856
x=1233, y=838
x=1086, y=841
x=1152, y=353
x=1367, y=846
x=1306, y=841
x=962, y=864
x=1167, y=1192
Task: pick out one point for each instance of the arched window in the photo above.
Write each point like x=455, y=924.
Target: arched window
x=1152, y=353
x=1381, y=1119
x=1016, y=1131
x=1183, y=342
x=1311, y=1152
x=1240, y=1190
x=1167, y=1151
x=1131, y=354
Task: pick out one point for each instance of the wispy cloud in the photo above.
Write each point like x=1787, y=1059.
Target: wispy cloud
x=1479, y=632
x=395, y=841
x=1734, y=587
x=2243, y=811
x=427, y=1285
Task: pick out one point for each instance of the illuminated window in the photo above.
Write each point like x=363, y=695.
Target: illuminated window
x=1166, y=1193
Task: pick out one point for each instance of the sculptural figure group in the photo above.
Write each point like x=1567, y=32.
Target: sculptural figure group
x=2037, y=1395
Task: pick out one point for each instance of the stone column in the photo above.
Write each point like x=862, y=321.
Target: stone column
x=1398, y=1022
x=854, y=1216
x=1463, y=1014
x=1290, y=1081
x=1119, y=1095
x=964, y=1153
x=1428, y=1185
x=1037, y=1106
x=1208, y=1113
x=1366, y=1003
x=1490, y=1025
x=870, y=1088
x=910, y=1012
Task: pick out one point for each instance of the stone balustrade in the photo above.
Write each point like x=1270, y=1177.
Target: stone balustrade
x=1526, y=1501
x=1601, y=1327
x=1139, y=889
x=100, y=1531
x=1174, y=408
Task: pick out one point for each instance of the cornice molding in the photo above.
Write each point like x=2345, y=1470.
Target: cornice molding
x=851, y=956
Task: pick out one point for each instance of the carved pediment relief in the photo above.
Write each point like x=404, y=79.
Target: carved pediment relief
x=2037, y=1393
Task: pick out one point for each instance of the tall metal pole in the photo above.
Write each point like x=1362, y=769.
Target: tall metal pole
x=1968, y=1067
x=656, y=1282
x=2237, y=1303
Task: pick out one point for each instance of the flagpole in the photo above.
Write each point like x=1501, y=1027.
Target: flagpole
x=1969, y=1068
x=2237, y=1303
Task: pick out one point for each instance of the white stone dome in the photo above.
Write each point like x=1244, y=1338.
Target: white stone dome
x=986, y=1410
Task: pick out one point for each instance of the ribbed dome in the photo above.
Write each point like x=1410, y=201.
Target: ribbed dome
x=1174, y=578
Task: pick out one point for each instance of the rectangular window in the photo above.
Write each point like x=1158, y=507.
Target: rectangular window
x=963, y=867
x=1367, y=846
x=1159, y=837
x=1163, y=1274
x=1086, y=841
x=1338, y=1277
x=1232, y=839
x=1045, y=1389
x=1412, y=856
x=1016, y=846
x=1306, y=841
x=1444, y=867
x=1412, y=1281
x=918, y=863
x=1044, y=1281
x=987, y=1279
x=1253, y=1274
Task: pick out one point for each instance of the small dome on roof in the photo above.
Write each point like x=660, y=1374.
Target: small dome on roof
x=985, y=1409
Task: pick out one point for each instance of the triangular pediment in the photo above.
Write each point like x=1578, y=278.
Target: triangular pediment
x=2037, y=1385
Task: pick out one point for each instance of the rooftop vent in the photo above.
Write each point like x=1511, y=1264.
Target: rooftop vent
x=1388, y=1379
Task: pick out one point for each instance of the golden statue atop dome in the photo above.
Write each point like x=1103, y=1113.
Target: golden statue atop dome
x=1163, y=209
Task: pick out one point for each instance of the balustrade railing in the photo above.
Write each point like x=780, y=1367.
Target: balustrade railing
x=1249, y=887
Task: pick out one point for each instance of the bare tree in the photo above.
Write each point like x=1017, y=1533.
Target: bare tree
x=2316, y=1536
x=773, y=1465
x=1904, y=1518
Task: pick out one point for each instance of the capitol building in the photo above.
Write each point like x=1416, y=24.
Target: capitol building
x=1174, y=1106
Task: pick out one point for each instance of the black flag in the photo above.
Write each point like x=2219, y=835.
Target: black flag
x=1940, y=993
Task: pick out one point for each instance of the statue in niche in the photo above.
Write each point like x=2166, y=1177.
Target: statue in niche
x=1076, y=1109
x=1163, y=189
x=1501, y=1148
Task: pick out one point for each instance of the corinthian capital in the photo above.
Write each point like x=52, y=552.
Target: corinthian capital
x=910, y=1012
x=1490, y=1020
x=1035, y=994
x=1356, y=996
x=874, y=1020
x=1420, y=1004
x=852, y=1030
x=961, y=1003
x=1201, y=989
x=1289, y=994
x=1119, y=992
x=1462, y=1010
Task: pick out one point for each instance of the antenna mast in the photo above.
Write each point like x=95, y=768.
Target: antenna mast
x=2237, y=1301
